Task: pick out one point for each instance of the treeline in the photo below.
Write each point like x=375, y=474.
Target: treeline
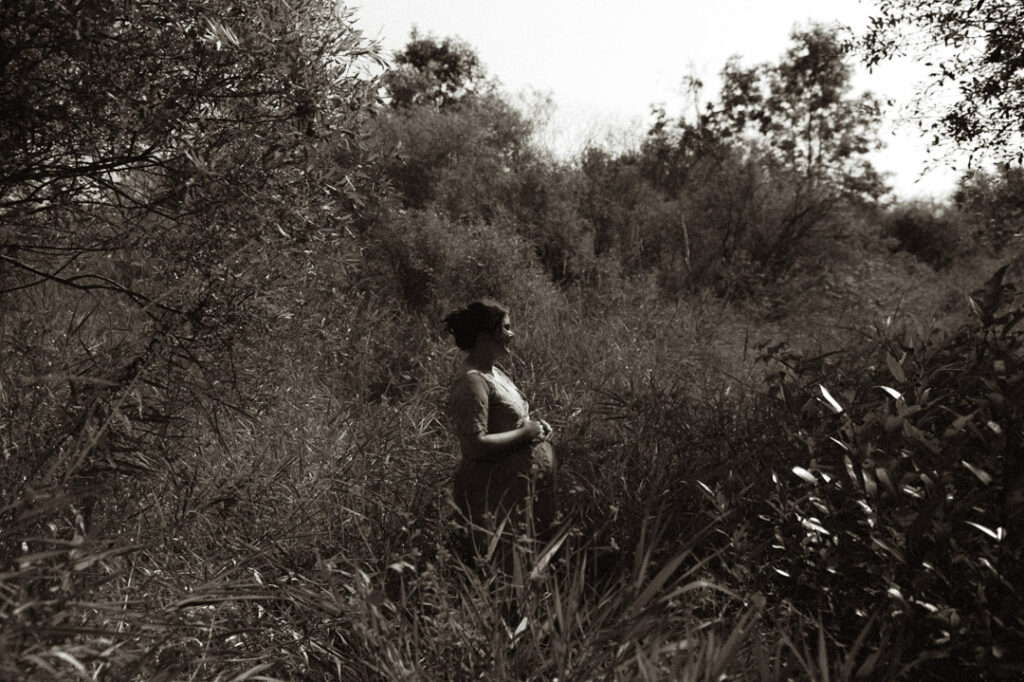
x=730, y=197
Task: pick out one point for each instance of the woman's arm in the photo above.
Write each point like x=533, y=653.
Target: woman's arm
x=480, y=446
x=470, y=405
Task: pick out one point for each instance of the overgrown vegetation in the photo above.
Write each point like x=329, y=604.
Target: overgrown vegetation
x=788, y=411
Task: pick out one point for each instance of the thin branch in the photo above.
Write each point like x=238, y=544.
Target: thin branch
x=75, y=283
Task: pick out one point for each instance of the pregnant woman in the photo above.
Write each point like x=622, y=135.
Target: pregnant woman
x=508, y=465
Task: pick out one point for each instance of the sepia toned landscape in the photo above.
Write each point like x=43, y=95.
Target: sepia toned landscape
x=787, y=403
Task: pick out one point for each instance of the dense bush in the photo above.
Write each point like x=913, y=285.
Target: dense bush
x=901, y=520
x=993, y=203
x=928, y=231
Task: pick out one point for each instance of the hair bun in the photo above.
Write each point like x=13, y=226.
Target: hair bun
x=468, y=323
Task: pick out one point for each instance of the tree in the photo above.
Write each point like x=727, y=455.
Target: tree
x=169, y=172
x=975, y=47
x=774, y=160
x=802, y=110
x=436, y=72
x=994, y=203
x=160, y=166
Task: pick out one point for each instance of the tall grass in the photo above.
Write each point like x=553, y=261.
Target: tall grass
x=309, y=535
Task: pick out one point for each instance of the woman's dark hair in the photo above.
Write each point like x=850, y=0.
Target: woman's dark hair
x=478, y=317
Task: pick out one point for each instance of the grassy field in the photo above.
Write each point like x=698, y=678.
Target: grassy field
x=309, y=535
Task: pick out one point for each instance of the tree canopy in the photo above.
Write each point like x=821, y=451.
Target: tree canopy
x=975, y=47
x=432, y=71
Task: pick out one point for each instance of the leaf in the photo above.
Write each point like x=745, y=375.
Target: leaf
x=892, y=391
x=998, y=534
x=870, y=487
x=982, y=475
x=549, y=551
x=957, y=426
x=840, y=443
x=65, y=656
x=521, y=628
x=822, y=654
x=658, y=582
x=883, y=477
x=836, y=407
x=850, y=471
x=889, y=548
x=895, y=368
x=805, y=474
x=252, y=672
x=813, y=525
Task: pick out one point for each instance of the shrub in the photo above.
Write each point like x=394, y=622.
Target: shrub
x=906, y=509
x=994, y=203
x=433, y=262
x=924, y=230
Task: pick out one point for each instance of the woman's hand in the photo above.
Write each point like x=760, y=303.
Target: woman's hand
x=537, y=429
x=482, y=446
x=533, y=429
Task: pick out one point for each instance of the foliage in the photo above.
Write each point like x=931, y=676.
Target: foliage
x=925, y=230
x=168, y=172
x=994, y=203
x=438, y=263
x=976, y=48
x=463, y=151
x=802, y=109
x=461, y=161
x=769, y=165
x=439, y=73
x=905, y=511
x=627, y=214
x=222, y=381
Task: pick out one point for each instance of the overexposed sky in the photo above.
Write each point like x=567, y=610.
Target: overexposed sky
x=604, y=62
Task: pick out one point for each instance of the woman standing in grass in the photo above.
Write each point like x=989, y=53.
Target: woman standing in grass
x=508, y=464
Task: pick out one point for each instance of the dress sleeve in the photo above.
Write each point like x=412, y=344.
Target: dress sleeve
x=467, y=404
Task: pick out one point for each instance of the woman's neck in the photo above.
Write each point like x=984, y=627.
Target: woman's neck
x=480, y=360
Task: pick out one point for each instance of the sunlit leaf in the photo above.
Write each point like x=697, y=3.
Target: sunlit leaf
x=521, y=628
x=870, y=487
x=836, y=407
x=814, y=525
x=840, y=443
x=892, y=391
x=805, y=474
x=850, y=471
x=982, y=475
x=913, y=492
x=998, y=534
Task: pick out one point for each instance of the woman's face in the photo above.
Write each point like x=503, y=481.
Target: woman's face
x=504, y=335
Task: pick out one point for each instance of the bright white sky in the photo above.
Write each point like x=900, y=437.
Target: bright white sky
x=605, y=62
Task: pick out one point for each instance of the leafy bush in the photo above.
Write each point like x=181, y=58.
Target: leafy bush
x=435, y=262
x=994, y=203
x=906, y=510
x=925, y=230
